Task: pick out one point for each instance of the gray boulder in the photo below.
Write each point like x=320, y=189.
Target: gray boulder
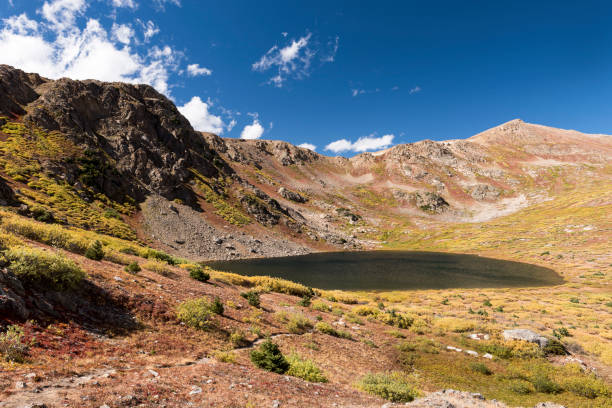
x=526, y=335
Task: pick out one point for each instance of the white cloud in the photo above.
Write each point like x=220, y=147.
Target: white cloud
x=196, y=111
x=122, y=33
x=161, y=4
x=363, y=144
x=333, y=50
x=231, y=125
x=124, y=3
x=62, y=14
x=308, y=146
x=356, y=92
x=56, y=47
x=291, y=61
x=195, y=70
x=252, y=131
x=149, y=29
x=395, y=88
x=415, y=90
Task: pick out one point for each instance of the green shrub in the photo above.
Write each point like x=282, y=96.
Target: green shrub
x=305, y=369
x=238, y=339
x=196, y=272
x=225, y=356
x=95, y=251
x=269, y=357
x=393, y=386
x=160, y=268
x=217, y=306
x=298, y=324
x=326, y=328
x=554, y=347
x=587, y=386
x=41, y=214
x=133, y=268
x=160, y=256
x=321, y=306
x=305, y=301
x=561, y=332
x=111, y=213
x=12, y=345
x=195, y=313
x=252, y=297
x=521, y=387
x=480, y=368
x=421, y=345
x=42, y=267
x=542, y=383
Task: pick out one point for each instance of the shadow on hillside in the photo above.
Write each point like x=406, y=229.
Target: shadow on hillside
x=87, y=305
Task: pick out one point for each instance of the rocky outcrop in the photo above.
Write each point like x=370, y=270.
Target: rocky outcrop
x=463, y=399
x=134, y=135
x=7, y=196
x=525, y=335
x=291, y=195
x=483, y=192
x=430, y=202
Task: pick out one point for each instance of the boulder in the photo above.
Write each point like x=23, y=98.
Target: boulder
x=291, y=195
x=525, y=335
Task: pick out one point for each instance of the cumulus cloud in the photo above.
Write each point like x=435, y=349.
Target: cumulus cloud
x=252, y=131
x=161, y=4
x=195, y=70
x=415, y=90
x=308, y=146
x=293, y=60
x=57, y=46
x=149, y=29
x=122, y=33
x=197, y=113
x=124, y=3
x=363, y=144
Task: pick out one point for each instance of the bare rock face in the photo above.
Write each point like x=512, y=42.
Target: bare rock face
x=291, y=195
x=483, y=192
x=132, y=129
x=430, y=202
x=525, y=335
x=7, y=196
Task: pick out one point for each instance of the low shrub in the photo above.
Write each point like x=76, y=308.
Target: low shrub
x=521, y=387
x=238, y=339
x=393, y=386
x=554, y=347
x=217, y=306
x=36, y=266
x=252, y=297
x=95, y=251
x=12, y=345
x=305, y=301
x=197, y=272
x=224, y=356
x=133, y=268
x=587, y=386
x=305, y=369
x=160, y=268
x=117, y=258
x=321, y=306
x=542, y=383
x=269, y=357
x=41, y=214
x=480, y=368
x=159, y=255
x=195, y=313
x=420, y=345
x=298, y=324
x=326, y=328
x=455, y=325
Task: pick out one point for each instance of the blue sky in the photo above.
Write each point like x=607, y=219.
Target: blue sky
x=342, y=76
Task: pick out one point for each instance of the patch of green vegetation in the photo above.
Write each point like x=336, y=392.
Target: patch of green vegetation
x=394, y=386
x=197, y=272
x=269, y=357
x=252, y=297
x=41, y=267
x=216, y=193
x=95, y=251
x=13, y=347
x=305, y=369
x=196, y=313
x=133, y=268
x=326, y=328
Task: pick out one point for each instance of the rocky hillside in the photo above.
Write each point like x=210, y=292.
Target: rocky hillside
x=127, y=148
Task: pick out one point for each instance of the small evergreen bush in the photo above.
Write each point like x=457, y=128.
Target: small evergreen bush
x=252, y=297
x=133, y=268
x=393, y=386
x=217, y=306
x=195, y=313
x=305, y=369
x=269, y=357
x=95, y=251
x=196, y=272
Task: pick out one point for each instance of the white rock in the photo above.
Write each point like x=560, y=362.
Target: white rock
x=118, y=279
x=487, y=355
x=154, y=373
x=195, y=390
x=472, y=353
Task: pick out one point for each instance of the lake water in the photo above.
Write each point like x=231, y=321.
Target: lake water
x=395, y=270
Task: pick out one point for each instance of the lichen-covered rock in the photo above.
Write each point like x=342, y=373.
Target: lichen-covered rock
x=430, y=202
x=291, y=195
x=526, y=335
